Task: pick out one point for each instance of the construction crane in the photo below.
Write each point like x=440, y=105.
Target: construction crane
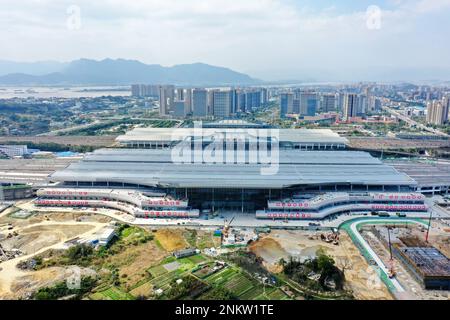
x=391, y=260
x=226, y=226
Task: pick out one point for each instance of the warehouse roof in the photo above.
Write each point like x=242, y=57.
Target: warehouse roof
x=154, y=168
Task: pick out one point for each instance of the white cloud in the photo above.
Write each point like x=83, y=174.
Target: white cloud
x=256, y=36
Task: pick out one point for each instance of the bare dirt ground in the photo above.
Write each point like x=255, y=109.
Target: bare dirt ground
x=304, y=244
x=33, y=236
x=271, y=252
x=171, y=239
x=25, y=285
x=359, y=275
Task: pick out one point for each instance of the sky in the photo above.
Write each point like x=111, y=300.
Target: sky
x=267, y=39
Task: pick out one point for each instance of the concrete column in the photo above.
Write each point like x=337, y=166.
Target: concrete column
x=242, y=200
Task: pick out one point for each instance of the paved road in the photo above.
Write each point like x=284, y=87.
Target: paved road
x=78, y=127
x=414, y=123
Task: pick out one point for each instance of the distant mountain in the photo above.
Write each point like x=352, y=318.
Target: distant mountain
x=117, y=72
x=32, y=68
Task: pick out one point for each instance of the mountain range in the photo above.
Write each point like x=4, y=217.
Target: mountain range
x=116, y=72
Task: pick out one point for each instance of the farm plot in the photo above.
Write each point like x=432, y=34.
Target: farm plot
x=272, y=294
x=162, y=282
x=112, y=293
x=198, y=258
x=221, y=277
x=252, y=294
x=157, y=271
x=239, y=284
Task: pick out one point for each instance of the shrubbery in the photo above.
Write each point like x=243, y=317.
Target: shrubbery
x=322, y=265
x=62, y=290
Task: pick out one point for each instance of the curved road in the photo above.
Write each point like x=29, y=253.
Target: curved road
x=353, y=226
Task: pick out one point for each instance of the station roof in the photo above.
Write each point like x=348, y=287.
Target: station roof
x=155, y=168
x=285, y=156
x=179, y=134
x=426, y=173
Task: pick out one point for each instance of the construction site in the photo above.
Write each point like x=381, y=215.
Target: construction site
x=416, y=258
x=235, y=237
x=25, y=234
x=302, y=245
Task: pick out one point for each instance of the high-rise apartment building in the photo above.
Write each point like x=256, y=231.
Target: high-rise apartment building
x=166, y=99
x=362, y=105
x=199, y=102
x=188, y=101
x=350, y=106
x=286, y=104
x=308, y=103
x=328, y=102
x=223, y=103
x=144, y=90
x=437, y=111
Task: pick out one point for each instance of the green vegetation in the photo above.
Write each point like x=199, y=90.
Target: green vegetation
x=122, y=277
x=319, y=274
x=112, y=293
x=382, y=129
x=188, y=288
x=80, y=254
x=218, y=293
x=85, y=255
x=15, y=186
x=116, y=127
x=248, y=261
x=61, y=290
x=54, y=147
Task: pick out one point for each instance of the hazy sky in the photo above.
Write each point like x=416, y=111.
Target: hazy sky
x=268, y=39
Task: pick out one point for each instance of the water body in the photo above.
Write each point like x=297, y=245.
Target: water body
x=62, y=92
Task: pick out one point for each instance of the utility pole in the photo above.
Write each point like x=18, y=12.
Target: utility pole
x=391, y=261
x=389, y=239
x=429, y=225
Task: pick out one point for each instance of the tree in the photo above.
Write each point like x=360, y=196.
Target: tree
x=344, y=263
x=79, y=252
